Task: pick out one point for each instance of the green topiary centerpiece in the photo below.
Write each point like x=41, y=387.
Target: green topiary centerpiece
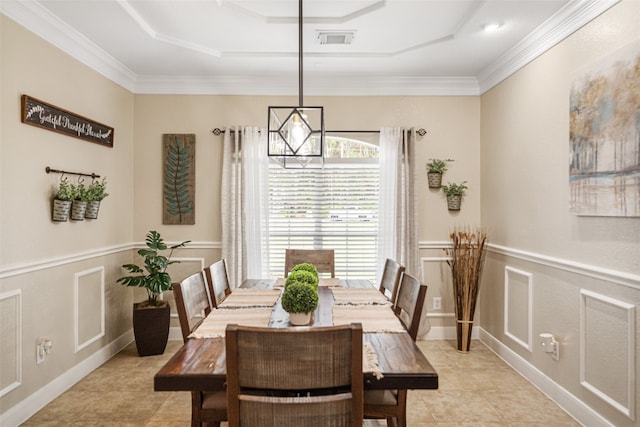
x=299, y=297
x=302, y=276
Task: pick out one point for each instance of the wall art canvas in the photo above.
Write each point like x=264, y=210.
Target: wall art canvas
x=178, y=179
x=604, y=159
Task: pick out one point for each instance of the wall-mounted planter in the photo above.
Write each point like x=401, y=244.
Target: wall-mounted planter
x=93, y=207
x=454, y=202
x=61, y=209
x=434, y=179
x=78, y=209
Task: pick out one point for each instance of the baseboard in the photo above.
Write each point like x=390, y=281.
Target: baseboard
x=576, y=408
x=175, y=333
x=38, y=400
x=446, y=333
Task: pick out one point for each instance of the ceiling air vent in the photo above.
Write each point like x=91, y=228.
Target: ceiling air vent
x=335, y=37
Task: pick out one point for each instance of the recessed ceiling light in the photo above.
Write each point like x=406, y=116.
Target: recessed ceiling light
x=492, y=28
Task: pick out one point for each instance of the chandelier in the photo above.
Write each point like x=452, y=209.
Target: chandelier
x=296, y=134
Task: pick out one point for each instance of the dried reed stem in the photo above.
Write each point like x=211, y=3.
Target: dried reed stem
x=466, y=262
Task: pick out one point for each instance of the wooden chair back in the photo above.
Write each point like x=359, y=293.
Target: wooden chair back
x=217, y=282
x=323, y=259
x=192, y=303
x=391, y=279
x=410, y=302
x=291, y=377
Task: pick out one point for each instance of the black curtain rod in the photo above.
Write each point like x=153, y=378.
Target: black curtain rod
x=421, y=131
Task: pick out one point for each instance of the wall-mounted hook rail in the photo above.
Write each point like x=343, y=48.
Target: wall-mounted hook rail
x=51, y=170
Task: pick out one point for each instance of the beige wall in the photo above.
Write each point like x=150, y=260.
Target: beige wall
x=452, y=123
x=51, y=264
x=583, y=272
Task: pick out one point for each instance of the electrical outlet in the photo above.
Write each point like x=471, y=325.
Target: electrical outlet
x=39, y=353
x=437, y=303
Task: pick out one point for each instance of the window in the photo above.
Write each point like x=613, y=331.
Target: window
x=334, y=207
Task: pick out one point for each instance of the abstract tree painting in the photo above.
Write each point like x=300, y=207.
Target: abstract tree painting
x=178, y=201
x=604, y=139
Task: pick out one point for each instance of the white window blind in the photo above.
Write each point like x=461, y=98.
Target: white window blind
x=335, y=207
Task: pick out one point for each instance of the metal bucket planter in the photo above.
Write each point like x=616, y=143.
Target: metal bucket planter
x=434, y=179
x=93, y=207
x=61, y=208
x=454, y=202
x=78, y=209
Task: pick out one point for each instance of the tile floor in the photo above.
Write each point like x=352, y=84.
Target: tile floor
x=476, y=389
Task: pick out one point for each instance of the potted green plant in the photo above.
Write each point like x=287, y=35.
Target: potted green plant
x=454, y=193
x=299, y=299
x=305, y=266
x=62, y=199
x=151, y=317
x=79, y=204
x=303, y=276
x=95, y=193
x=435, y=169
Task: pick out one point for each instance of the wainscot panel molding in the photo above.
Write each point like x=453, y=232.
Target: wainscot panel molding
x=584, y=414
x=608, y=338
x=515, y=298
x=11, y=336
x=32, y=404
x=31, y=267
x=85, y=314
x=607, y=275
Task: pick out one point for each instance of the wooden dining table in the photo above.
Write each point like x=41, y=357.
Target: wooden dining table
x=200, y=364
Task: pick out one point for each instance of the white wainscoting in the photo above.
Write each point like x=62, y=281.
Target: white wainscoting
x=88, y=294
x=608, y=340
x=11, y=337
x=518, y=293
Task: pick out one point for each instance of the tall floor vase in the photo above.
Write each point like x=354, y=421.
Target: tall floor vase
x=466, y=261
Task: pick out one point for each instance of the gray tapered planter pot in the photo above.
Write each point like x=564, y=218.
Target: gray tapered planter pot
x=60, y=210
x=93, y=207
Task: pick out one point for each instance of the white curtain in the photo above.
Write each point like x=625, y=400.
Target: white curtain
x=244, y=199
x=398, y=234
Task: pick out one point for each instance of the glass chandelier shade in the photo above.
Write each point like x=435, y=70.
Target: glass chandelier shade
x=296, y=135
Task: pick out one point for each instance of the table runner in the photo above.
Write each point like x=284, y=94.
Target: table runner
x=332, y=281
x=358, y=296
x=215, y=324
x=251, y=298
x=374, y=318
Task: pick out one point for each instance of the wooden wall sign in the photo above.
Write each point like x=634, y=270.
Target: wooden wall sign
x=179, y=179
x=46, y=116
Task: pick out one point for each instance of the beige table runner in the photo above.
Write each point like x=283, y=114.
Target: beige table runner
x=374, y=318
x=358, y=296
x=332, y=281
x=215, y=324
x=251, y=298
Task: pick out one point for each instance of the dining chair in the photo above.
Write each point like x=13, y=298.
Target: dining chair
x=323, y=259
x=217, y=282
x=391, y=279
x=292, y=377
x=193, y=303
x=392, y=404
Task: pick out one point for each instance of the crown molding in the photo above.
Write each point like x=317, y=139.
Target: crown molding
x=37, y=19
x=40, y=21
x=318, y=86
x=573, y=16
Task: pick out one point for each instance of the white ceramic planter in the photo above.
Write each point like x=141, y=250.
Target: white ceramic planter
x=299, y=319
